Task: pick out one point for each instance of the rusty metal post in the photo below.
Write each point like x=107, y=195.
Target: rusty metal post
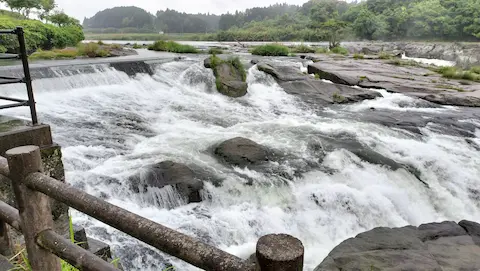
x=33, y=206
x=280, y=252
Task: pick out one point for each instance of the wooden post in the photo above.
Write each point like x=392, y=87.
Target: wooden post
x=33, y=206
x=5, y=241
x=280, y=252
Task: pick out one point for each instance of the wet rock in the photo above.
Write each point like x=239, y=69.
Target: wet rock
x=411, y=80
x=230, y=80
x=241, y=152
x=434, y=246
x=171, y=173
x=131, y=68
x=122, y=51
x=282, y=72
x=254, y=61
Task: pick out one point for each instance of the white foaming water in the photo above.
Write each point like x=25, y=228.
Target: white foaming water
x=110, y=125
x=429, y=61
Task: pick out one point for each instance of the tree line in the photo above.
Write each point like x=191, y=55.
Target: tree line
x=316, y=20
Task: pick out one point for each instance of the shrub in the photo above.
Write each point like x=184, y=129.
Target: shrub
x=116, y=46
x=55, y=54
x=100, y=42
x=215, y=51
x=317, y=76
x=338, y=98
x=173, y=47
x=339, y=50
x=302, y=48
x=270, y=50
x=455, y=73
x=322, y=50
x=137, y=46
x=88, y=49
x=475, y=69
x=358, y=56
x=384, y=55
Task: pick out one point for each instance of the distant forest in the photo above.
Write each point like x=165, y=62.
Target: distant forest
x=312, y=21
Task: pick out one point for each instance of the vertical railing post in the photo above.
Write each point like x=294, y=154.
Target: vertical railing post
x=33, y=206
x=26, y=71
x=280, y=252
x=5, y=241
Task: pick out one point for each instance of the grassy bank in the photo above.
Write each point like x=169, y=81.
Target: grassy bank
x=90, y=50
x=173, y=47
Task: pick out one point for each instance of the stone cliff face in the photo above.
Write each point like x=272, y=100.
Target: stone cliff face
x=429, y=247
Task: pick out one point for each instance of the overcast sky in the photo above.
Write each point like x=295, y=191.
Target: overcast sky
x=88, y=8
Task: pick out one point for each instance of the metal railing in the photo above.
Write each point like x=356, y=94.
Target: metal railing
x=27, y=79
x=33, y=190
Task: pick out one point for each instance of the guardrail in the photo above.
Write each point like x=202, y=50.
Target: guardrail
x=32, y=189
x=27, y=79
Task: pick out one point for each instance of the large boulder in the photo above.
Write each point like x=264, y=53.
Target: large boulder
x=241, y=152
x=282, y=72
x=433, y=246
x=171, y=173
x=230, y=79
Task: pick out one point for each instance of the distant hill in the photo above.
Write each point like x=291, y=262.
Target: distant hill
x=121, y=17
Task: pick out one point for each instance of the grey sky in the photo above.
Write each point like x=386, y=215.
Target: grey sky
x=88, y=8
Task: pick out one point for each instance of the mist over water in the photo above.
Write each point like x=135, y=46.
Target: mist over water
x=110, y=125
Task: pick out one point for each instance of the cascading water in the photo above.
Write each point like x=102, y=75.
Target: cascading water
x=110, y=125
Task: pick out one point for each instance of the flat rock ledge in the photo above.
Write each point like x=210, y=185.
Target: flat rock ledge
x=429, y=247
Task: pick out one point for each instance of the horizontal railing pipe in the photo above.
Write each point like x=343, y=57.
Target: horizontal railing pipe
x=12, y=99
x=163, y=238
x=10, y=215
x=75, y=255
x=13, y=105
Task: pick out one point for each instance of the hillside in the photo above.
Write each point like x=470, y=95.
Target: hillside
x=315, y=20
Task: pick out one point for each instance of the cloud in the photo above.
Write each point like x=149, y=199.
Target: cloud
x=88, y=8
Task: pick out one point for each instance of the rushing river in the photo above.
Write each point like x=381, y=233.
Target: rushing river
x=110, y=125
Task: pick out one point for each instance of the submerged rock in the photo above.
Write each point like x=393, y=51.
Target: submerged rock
x=434, y=246
x=171, y=173
x=241, y=152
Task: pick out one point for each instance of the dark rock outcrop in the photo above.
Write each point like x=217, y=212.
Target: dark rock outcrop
x=169, y=173
x=433, y=246
x=241, y=152
x=312, y=90
x=230, y=80
x=414, y=81
x=132, y=67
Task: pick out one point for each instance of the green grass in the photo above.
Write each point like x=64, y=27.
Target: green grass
x=173, y=47
x=456, y=73
x=322, y=50
x=215, y=51
x=302, y=48
x=338, y=98
x=451, y=87
x=92, y=49
x=339, y=50
x=317, y=76
x=233, y=61
x=274, y=49
x=400, y=62
x=384, y=55
x=358, y=56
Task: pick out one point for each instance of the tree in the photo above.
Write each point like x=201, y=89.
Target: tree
x=62, y=19
x=46, y=6
x=22, y=6
x=334, y=30
x=370, y=26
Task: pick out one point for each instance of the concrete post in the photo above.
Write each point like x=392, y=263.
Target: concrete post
x=33, y=207
x=280, y=252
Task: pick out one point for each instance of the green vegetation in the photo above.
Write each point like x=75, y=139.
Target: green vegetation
x=302, y=48
x=384, y=55
x=137, y=46
x=270, y=50
x=322, y=50
x=317, y=76
x=316, y=20
x=339, y=50
x=338, y=98
x=173, y=47
x=358, y=56
x=456, y=73
x=450, y=87
x=91, y=49
x=215, y=51
x=400, y=62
